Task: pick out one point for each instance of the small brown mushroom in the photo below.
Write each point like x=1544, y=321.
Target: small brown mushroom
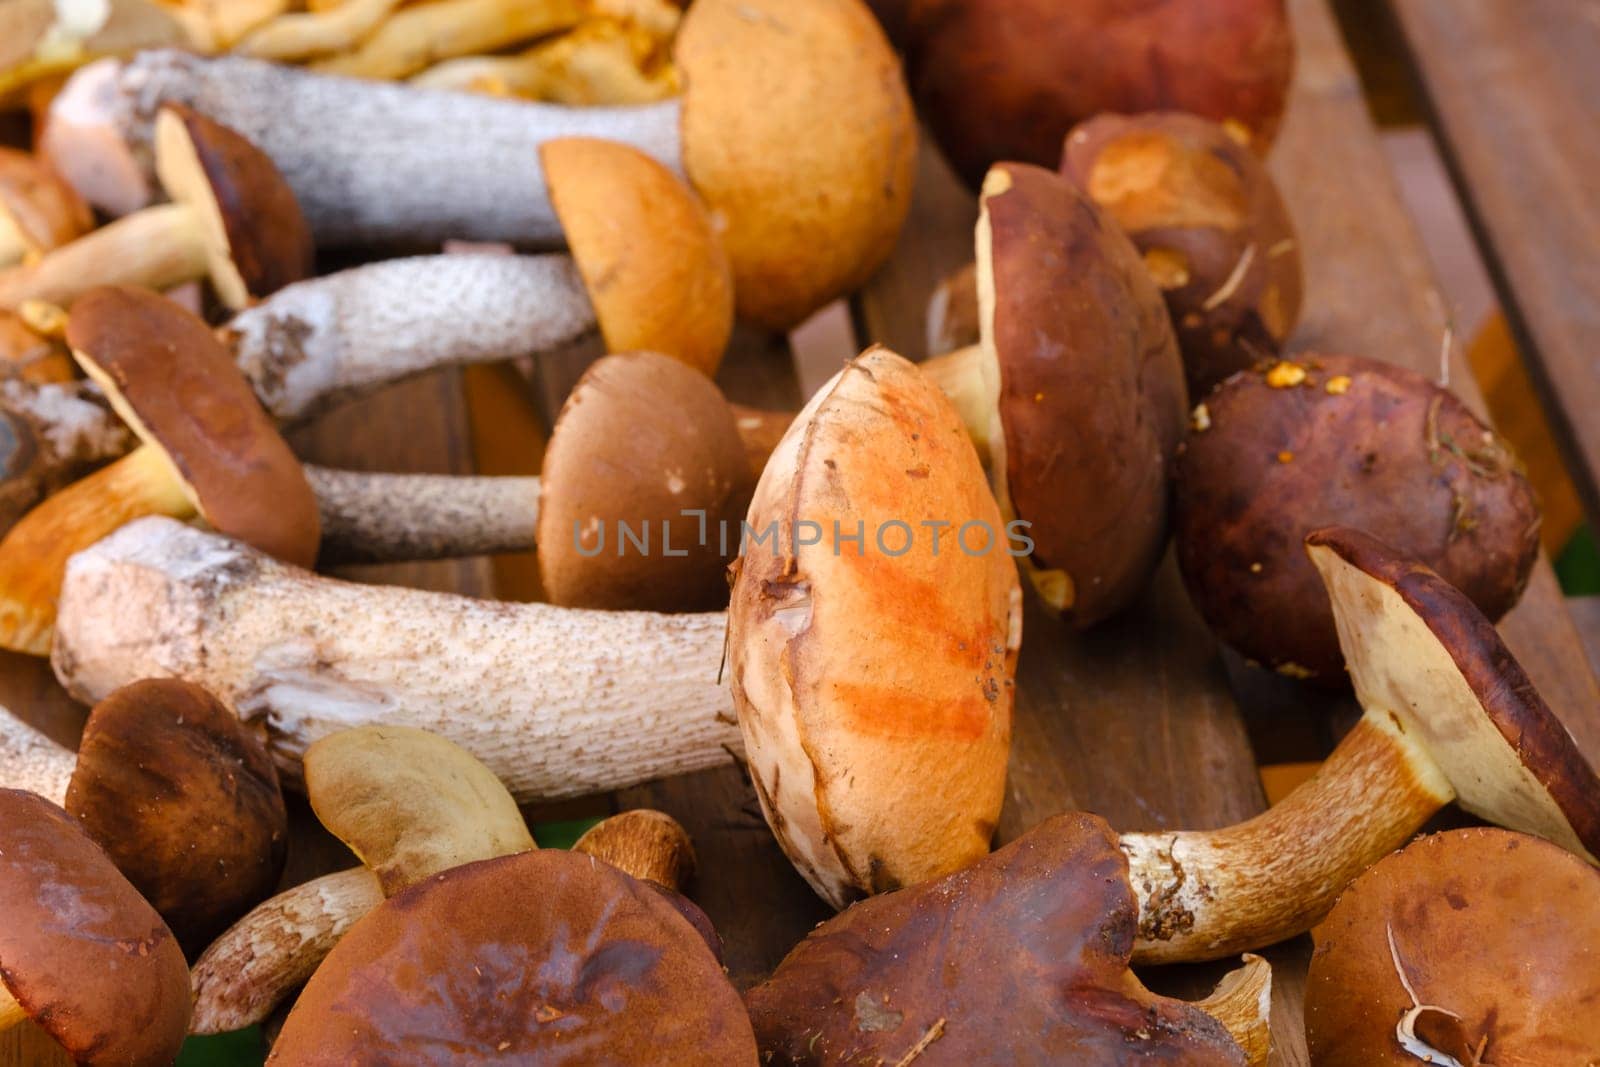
x=38, y=211
x=1287, y=448
x=232, y=219
x=1469, y=948
x=81, y=952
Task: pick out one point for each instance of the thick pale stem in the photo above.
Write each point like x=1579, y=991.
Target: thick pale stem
x=1208, y=894
x=34, y=554
x=555, y=701
x=29, y=760
x=156, y=248
x=320, y=341
x=375, y=518
x=11, y=1013
x=378, y=163
x=959, y=375
x=1242, y=1003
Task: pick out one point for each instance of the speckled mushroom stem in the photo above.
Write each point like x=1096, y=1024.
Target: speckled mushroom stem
x=157, y=248
x=30, y=760
x=1207, y=894
x=323, y=340
x=555, y=701
x=49, y=435
x=371, y=163
x=374, y=518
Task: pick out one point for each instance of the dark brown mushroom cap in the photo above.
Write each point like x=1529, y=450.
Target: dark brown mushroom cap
x=1208, y=219
x=1006, y=79
x=259, y=239
x=1419, y=649
x=1091, y=401
x=185, y=801
x=1021, y=958
x=177, y=386
x=548, y=957
x=46, y=211
x=81, y=951
x=640, y=440
x=1494, y=935
x=1280, y=451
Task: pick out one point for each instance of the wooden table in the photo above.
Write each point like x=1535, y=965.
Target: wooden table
x=1144, y=720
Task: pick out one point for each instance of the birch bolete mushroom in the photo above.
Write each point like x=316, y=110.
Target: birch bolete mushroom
x=232, y=220
x=38, y=210
x=782, y=98
x=49, y=435
x=81, y=952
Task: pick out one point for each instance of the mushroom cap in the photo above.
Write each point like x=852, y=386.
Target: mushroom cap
x=1279, y=451
x=81, y=951
x=43, y=210
x=547, y=957
x=256, y=239
x=1021, y=958
x=862, y=674
x=640, y=440
x=1206, y=215
x=1421, y=651
x=799, y=135
x=1006, y=79
x=1495, y=935
x=1091, y=404
x=185, y=801
x=654, y=267
x=176, y=385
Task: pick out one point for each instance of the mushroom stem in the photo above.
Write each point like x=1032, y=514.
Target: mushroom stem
x=1204, y=894
x=370, y=518
x=11, y=1012
x=156, y=248
x=30, y=760
x=1242, y=1003
x=60, y=430
x=959, y=375
x=555, y=701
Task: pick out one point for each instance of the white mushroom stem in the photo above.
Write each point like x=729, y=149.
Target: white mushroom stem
x=555, y=701
x=318, y=341
x=370, y=162
x=376, y=518
x=29, y=760
x=1208, y=894
x=156, y=248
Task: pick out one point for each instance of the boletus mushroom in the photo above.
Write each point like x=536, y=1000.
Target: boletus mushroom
x=232, y=219
x=50, y=434
x=38, y=210
x=1468, y=948
x=1006, y=79
x=81, y=952
x=1278, y=451
x=782, y=98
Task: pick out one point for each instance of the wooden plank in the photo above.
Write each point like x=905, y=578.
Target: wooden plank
x=1514, y=92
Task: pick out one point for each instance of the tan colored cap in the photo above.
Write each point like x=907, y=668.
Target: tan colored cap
x=41, y=210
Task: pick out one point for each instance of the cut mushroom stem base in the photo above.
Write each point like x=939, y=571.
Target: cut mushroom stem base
x=156, y=248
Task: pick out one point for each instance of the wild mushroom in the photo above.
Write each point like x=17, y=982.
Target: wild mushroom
x=41, y=39
x=232, y=219
x=49, y=435
x=1278, y=451
x=38, y=211
x=376, y=163
x=1006, y=79
x=1465, y=949
x=208, y=449
x=81, y=952
x=1022, y=957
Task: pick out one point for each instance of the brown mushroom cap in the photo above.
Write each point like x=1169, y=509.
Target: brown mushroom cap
x=257, y=241
x=1211, y=225
x=1417, y=647
x=1006, y=79
x=547, y=957
x=185, y=801
x=641, y=439
x=653, y=265
x=1280, y=451
x=798, y=133
x=176, y=385
x=1022, y=958
x=43, y=210
x=1481, y=945
x=81, y=951
x=1091, y=399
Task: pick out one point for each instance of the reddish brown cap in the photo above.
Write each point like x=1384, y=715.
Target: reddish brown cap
x=1211, y=225
x=81, y=951
x=1091, y=392
x=1473, y=947
x=547, y=957
x=177, y=386
x=640, y=440
x=185, y=801
x=1006, y=79
x=1022, y=957
x=43, y=210
x=257, y=239
x=1280, y=451
x=1421, y=651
